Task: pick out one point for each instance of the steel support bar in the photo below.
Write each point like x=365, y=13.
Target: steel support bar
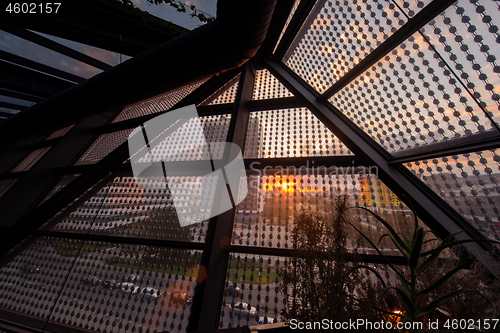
x=294, y=27
x=39, y=67
x=25, y=80
x=12, y=107
x=209, y=293
x=6, y=114
x=437, y=214
x=413, y=25
x=14, y=94
x=54, y=46
x=467, y=144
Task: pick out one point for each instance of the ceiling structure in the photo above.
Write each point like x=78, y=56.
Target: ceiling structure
x=393, y=102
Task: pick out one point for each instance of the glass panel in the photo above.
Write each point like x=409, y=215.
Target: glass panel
x=469, y=183
x=31, y=159
x=126, y=208
x=157, y=104
x=402, y=101
x=265, y=217
x=102, y=287
x=467, y=38
x=65, y=180
x=224, y=95
x=267, y=86
x=103, y=145
x=182, y=141
x=59, y=133
x=339, y=37
x=412, y=7
x=290, y=133
x=253, y=280
x=5, y=185
x=292, y=12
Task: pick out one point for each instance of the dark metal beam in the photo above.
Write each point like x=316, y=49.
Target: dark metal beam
x=39, y=67
x=6, y=114
x=12, y=107
x=54, y=46
x=466, y=144
x=207, y=301
x=292, y=32
x=413, y=25
x=433, y=210
x=15, y=94
x=17, y=78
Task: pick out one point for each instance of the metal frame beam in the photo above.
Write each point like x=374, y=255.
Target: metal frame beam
x=39, y=67
x=54, y=46
x=15, y=94
x=11, y=106
x=437, y=214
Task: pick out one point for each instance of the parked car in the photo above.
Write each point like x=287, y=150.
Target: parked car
x=129, y=288
x=232, y=290
x=244, y=309
x=180, y=297
x=90, y=279
x=30, y=269
x=150, y=293
x=132, y=278
x=262, y=321
x=111, y=284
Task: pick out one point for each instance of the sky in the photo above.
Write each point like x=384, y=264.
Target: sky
x=20, y=47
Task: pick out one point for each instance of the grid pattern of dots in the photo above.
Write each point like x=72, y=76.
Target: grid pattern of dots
x=342, y=34
x=102, y=146
x=265, y=217
x=187, y=142
x=225, y=94
x=59, y=133
x=157, y=104
x=410, y=98
x=469, y=183
x=268, y=87
x=290, y=133
x=31, y=159
x=126, y=207
x=102, y=287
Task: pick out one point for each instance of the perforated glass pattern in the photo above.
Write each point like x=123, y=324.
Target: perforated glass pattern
x=290, y=133
x=31, y=159
x=469, y=183
x=267, y=86
x=102, y=146
x=225, y=94
x=124, y=207
x=340, y=36
x=157, y=104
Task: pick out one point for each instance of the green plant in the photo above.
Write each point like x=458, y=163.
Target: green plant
x=415, y=295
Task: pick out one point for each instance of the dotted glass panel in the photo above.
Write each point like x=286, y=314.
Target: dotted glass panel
x=268, y=87
x=5, y=185
x=157, y=104
x=30, y=283
x=65, y=180
x=341, y=35
x=412, y=7
x=469, y=183
x=251, y=290
x=290, y=133
x=183, y=140
x=103, y=145
x=110, y=287
x=59, y=133
x=265, y=217
x=224, y=95
x=124, y=207
x=410, y=99
x=31, y=159
x=468, y=39
x=292, y=12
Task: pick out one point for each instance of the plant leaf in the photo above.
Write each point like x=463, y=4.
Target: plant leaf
x=434, y=305
x=445, y=277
